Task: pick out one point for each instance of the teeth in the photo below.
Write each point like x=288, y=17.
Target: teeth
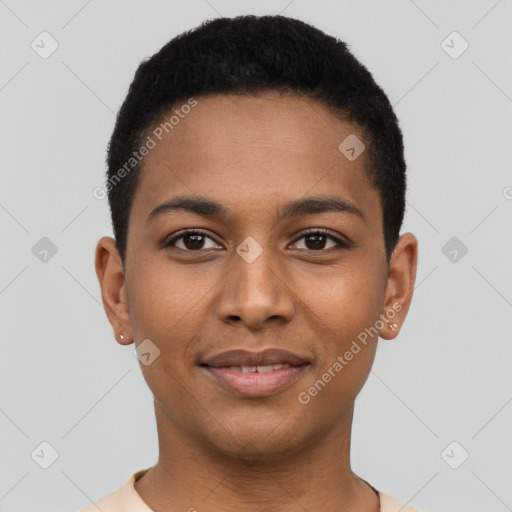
x=259, y=369
x=279, y=366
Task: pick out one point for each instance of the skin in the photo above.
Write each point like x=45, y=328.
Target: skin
x=220, y=451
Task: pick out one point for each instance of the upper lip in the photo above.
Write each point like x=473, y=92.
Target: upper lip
x=241, y=357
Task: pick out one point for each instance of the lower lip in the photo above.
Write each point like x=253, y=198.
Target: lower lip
x=256, y=384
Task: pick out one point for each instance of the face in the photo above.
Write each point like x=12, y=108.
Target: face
x=257, y=301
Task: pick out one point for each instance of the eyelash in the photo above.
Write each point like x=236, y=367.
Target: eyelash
x=314, y=231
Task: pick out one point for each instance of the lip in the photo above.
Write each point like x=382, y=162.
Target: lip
x=226, y=369
x=241, y=357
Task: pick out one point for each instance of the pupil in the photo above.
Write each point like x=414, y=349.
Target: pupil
x=197, y=241
x=316, y=244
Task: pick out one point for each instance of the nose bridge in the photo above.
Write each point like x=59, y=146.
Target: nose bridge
x=254, y=291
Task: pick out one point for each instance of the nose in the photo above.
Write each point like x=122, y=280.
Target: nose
x=256, y=293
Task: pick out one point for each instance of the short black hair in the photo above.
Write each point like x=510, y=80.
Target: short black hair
x=247, y=55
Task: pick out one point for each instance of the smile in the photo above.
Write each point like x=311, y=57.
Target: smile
x=255, y=374
x=256, y=381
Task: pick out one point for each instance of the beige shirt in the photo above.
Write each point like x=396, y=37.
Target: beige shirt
x=127, y=499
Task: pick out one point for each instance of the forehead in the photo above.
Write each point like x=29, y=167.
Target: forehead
x=253, y=151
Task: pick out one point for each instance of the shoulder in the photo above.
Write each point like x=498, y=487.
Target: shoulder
x=109, y=503
x=124, y=499
x=389, y=504
x=113, y=502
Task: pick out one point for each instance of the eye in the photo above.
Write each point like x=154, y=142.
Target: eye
x=191, y=240
x=195, y=240
x=316, y=239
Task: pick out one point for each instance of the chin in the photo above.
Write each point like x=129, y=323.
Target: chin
x=257, y=451
x=259, y=442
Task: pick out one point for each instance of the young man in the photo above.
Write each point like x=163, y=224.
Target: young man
x=256, y=180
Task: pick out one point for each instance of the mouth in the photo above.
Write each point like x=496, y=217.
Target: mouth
x=255, y=374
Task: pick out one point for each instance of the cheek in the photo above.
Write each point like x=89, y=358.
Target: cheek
x=165, y=303
x=164, y=308
x=346, y=311
x=346, y=299
x=167, y=306
x=343, y=366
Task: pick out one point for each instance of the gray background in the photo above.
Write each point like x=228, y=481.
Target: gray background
x=65, y=380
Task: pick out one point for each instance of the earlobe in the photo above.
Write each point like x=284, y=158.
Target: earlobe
x=393, y=326
x=400, y=285
x=110, y=273
x=122, y=339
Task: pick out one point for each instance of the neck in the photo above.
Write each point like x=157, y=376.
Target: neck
x=193, y=476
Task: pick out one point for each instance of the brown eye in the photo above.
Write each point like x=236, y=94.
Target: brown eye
x=193, y=241
x=316, y=240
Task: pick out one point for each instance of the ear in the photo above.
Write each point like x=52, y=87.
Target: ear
x=400, y=285
x=109, y=269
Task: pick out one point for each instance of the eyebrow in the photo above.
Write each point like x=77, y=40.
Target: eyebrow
x=209, y=208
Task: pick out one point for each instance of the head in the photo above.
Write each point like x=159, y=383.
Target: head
x=296, y=156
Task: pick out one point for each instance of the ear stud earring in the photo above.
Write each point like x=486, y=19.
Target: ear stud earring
x=393, y=326
x=122, y=337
